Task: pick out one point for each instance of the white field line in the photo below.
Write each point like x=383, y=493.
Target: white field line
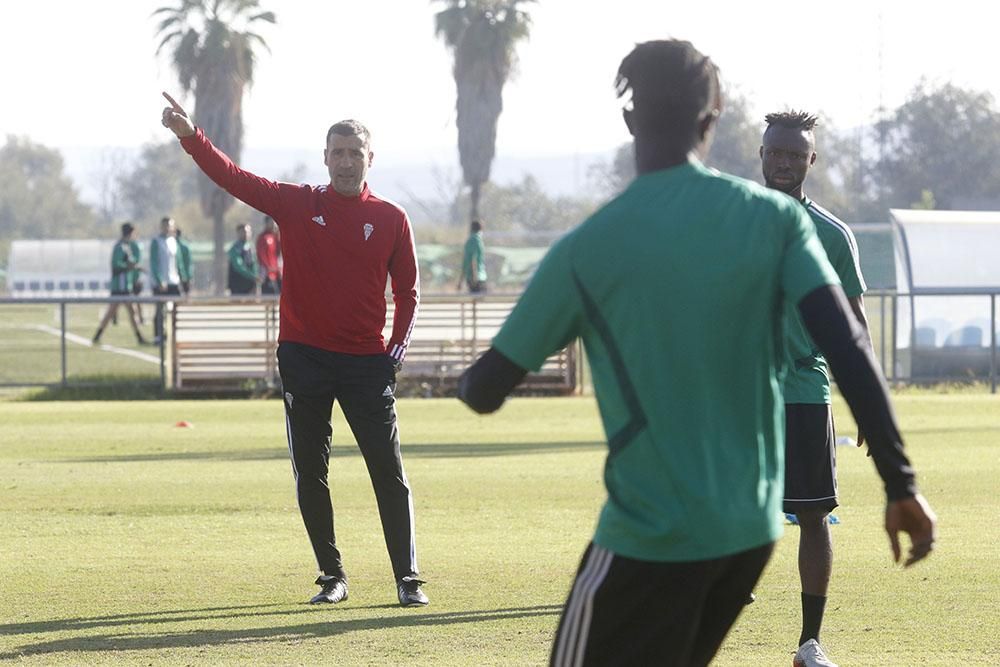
x=80, y=340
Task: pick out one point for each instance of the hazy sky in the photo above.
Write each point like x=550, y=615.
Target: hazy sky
x=76, y=73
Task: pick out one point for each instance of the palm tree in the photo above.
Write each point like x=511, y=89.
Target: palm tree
x=482, y=35
x=213, y=51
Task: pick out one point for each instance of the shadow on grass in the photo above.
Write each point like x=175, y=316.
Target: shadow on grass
x=100, y=388
x=328, y=627
x=131, y=388
x=410, y=451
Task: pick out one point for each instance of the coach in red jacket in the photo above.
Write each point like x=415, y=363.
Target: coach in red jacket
x=340, y=242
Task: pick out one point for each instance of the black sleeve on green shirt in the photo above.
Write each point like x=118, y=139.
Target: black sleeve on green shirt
x=827, y=316
x=486, y=384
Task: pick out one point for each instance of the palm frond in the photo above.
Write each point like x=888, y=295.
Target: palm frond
x=165, y=10
x=268, y=17
x=168, y=38
x=450, y=23
x=252, y=36
x=187, y=59
x=168, y=22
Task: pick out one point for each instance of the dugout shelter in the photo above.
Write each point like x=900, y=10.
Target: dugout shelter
x=948, y=279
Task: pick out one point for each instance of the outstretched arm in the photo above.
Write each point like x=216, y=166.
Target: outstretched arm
x=826, y=314
x=485, y=385
x=261, y=193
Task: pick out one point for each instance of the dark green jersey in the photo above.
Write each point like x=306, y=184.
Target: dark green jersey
x=243, y=260
x=808, y=378
x=184, y=267
x=474, y=259
x=676, y=289
x=123, y=261
x=136, y=249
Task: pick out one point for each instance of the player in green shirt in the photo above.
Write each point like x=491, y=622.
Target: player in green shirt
x=124, y=263
x=185, y=268
x=473, y=271
x=137, y=282
x=243, y=263
x=676, y=289
x=787, y=153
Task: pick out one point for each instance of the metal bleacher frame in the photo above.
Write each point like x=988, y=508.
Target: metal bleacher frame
x=231, y=344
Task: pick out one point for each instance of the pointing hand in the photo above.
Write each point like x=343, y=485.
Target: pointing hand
x=176, y=119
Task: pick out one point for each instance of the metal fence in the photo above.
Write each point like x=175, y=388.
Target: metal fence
x=47, y=341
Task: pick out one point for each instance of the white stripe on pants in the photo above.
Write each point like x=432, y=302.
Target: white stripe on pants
x=575, y=624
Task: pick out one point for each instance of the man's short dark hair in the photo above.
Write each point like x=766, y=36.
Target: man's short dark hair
x=127, y=228
x=792, y=120
x=673, y=86
x=349, y=128
x=476, y=226
x=165, y=220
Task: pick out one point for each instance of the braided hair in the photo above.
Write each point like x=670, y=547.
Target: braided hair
x=672, y=88
x=792, y=120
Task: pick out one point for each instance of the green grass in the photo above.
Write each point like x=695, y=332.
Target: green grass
x=126, y=540
x=31, y=356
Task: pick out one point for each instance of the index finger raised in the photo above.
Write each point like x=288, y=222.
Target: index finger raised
x=173, y=102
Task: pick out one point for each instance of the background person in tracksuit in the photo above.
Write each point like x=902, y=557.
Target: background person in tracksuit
x=340, y=243
x=473, y=271
x=185, y=269
x=163, y=269
x=269, y=258
x=124, y=260
x=242, y=263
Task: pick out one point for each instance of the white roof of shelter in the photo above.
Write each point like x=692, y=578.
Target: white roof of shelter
x=947, y=250
x=906, y=216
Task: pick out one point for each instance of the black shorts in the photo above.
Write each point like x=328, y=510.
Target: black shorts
x=810, y=458
x=623, y=611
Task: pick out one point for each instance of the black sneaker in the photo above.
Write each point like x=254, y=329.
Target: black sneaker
x=334, y=590
x=409, y=592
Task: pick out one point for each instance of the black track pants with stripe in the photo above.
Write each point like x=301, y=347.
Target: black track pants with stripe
x=311, y=380
x=623, y=611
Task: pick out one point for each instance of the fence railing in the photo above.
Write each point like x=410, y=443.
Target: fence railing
x=46, y=341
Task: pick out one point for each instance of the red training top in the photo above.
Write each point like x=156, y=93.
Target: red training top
x=337, y=254
x=269, y=255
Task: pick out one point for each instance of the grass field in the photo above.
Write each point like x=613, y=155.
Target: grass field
x=30, y=347
x=126, y=540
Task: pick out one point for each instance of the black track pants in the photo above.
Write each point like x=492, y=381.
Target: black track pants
x=627, y=612
x=311, y=380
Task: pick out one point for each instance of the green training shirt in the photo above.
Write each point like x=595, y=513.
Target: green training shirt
x=676, y=288
x=122, y=255
x=136, y=248
x=475, y=251
x=808, y=376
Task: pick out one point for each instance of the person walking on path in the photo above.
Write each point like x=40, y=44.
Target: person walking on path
x=124, y=263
